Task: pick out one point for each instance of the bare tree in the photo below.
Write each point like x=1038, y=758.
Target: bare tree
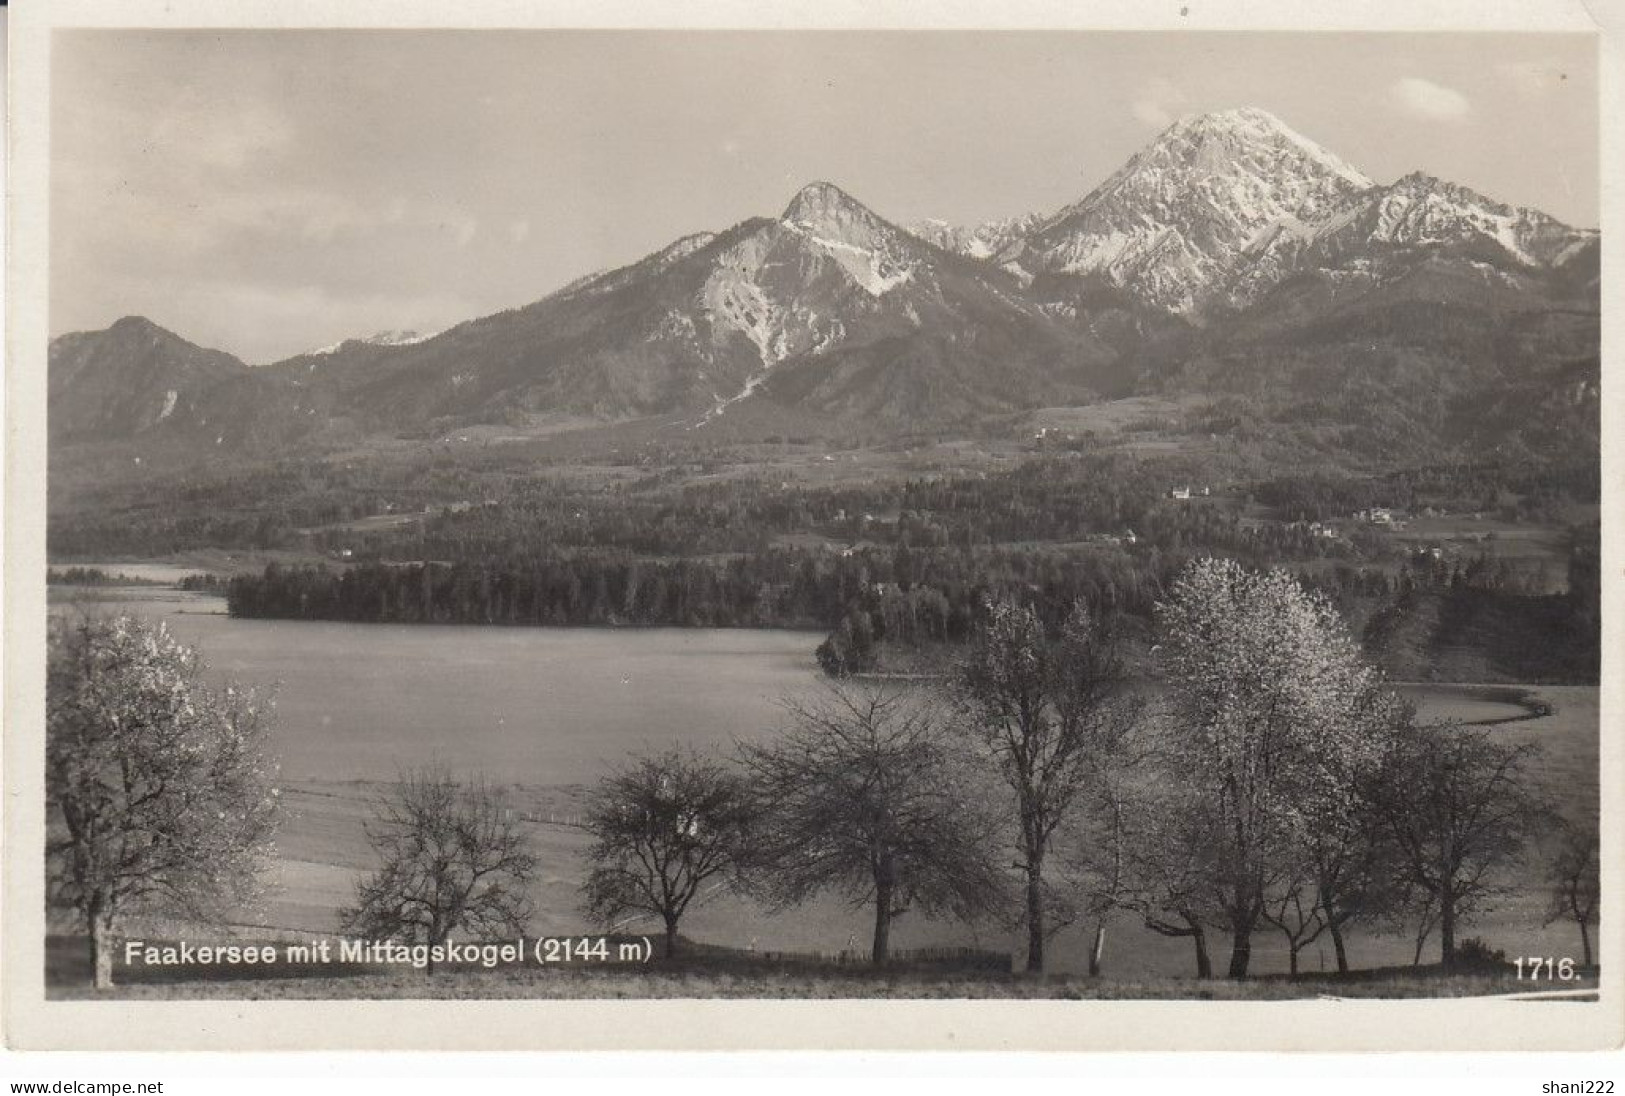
x=454, y=858
x=1354, y=877
x=1346, y=858
x=1459, y=809
x=1048, y=711
x=1421, y=906
x=1171, y=848
x=1112, y=822
x=158, y=787
x=1575, y=876
x=1101, y=863
x=862, y=795
x=1294, y=908
x=664, y=827
x=1179, y=920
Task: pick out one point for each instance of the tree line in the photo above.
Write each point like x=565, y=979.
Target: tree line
x=877, y=604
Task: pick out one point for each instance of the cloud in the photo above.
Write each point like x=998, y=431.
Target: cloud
x=1160, y=103
x=199, y=131
x=1424, y=99
x=1532, y=79
x=328, y=216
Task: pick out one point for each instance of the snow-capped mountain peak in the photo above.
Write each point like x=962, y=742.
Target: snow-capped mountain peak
x=871, y=251
x=821, y=203
x=1217, y=138
x=1178, y=220
x=1421, y=209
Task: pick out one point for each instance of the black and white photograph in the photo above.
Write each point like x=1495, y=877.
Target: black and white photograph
x=1026, y=518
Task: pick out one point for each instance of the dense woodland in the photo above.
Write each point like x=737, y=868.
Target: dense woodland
x=898, y=600
x=486, y=506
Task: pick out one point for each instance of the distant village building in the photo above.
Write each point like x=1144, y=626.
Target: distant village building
x=1180, y=493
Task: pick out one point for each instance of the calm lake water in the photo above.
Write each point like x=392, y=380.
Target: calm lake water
x=532, y=705
x=528, y=705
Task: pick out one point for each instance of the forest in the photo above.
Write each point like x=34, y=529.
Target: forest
x=880, y=604
x=486, y=508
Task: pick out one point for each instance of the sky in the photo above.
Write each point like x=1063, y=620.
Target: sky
x=268, y=192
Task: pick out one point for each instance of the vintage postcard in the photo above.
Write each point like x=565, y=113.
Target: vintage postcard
x=1068, y=527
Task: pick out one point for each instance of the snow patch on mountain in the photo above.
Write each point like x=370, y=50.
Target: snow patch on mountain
x=681, y=249
x=1419, y=209
x=988, y=240
x=747, y=292
x=734, y=300
x=869, y=250
x=1418, y=212
x=382, y=338
x=876, y=271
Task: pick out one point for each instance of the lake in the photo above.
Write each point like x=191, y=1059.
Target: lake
x=525, y=705
x=548, y=706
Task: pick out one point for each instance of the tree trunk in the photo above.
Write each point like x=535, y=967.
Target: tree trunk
x=1035, y=916
x=1585, y=940
x=1204, y=963
x=671, y=936
x=101, y=948
x=1447, y=931
x=1339, y=948
x=881, y=950
x=1099, y=950
x=1241, y=953
x=1292, y=960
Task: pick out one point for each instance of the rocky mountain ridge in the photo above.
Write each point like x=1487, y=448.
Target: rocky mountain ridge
x=1228, y=227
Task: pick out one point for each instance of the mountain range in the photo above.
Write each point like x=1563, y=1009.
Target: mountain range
x=1231, y=255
